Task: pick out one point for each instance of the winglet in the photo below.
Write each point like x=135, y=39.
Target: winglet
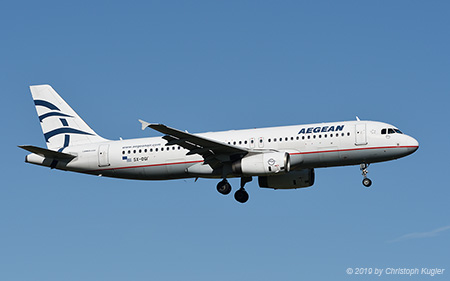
x=144, y=124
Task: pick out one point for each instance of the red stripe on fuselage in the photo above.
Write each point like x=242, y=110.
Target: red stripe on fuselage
x=353, y=149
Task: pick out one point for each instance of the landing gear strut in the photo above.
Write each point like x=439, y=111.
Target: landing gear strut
x=241, y=195
x=366, y=181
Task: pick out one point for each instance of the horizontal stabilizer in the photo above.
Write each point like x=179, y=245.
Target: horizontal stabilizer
x=47, y=153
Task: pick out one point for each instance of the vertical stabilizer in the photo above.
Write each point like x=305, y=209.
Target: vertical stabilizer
x=60, y=124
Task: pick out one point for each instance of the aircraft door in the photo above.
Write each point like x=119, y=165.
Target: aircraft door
x=103, y=155
x=360, y=134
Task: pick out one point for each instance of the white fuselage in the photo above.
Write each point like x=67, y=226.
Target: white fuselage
x=309, y=146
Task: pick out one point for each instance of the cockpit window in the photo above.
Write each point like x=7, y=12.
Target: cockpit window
x=390, y=131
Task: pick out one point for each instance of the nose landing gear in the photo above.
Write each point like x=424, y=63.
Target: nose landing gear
x=366, y=181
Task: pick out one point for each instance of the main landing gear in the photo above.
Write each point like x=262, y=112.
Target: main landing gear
x=366, y=181
x=240, y=195
x=224, y=187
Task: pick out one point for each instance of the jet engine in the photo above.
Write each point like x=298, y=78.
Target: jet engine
x=291, y=180
x=263, y=164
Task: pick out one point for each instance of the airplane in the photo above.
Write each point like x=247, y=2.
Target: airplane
x=281, y=157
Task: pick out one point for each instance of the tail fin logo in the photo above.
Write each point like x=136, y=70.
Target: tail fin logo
x=50, y=114
x=63, y=130
x=60, y=124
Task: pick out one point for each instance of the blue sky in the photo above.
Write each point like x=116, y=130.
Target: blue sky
x=218, y=65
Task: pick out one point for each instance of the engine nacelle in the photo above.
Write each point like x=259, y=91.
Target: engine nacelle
x=291, y=180
x=263, y=164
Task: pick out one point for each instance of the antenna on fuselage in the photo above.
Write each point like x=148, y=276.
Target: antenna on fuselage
x=357, y=119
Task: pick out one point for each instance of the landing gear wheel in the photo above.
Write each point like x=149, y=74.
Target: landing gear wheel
x=224, y=187
x=241, y=195
x=367, y=182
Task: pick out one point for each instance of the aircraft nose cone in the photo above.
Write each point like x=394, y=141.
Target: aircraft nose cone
x=413, y=145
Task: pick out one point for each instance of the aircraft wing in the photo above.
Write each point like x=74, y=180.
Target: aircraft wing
x=214, y=152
